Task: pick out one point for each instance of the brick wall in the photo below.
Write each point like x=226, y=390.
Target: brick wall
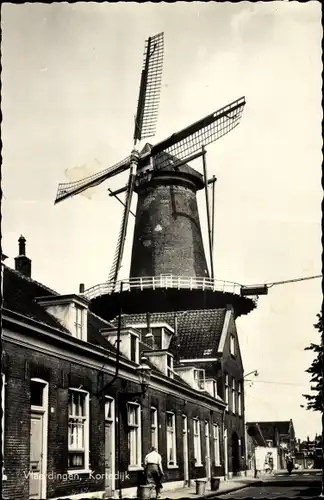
x=167, y=233
x=24, y=364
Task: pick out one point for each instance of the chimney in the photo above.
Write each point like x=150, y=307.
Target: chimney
x=81, y=288
x=23, y=263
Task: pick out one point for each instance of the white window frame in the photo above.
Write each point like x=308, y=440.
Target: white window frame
x=79, y=322
x=232, y=345
x=86, y=425
x=215, y=388
x=134, y=429
x=154, y=428
x=169, y=368
x=226, y=389
x=171, y=440
x=197, y=442
x=239, y=399
x=200, y=381
x=234, y=409
x=3, y=406
x=136, y=348
x=216, y=444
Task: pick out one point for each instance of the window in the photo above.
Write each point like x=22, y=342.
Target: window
x=134, y=348
x=3, y=396
x=214, y=388
x=154, y=428
x=226, y=389
x=233, y=396
x=78, y=430
x=197, y=441
x=232, y=345
x=239, y=398
x=171, y=439
x=170, y=366
x=199, y=376
x=134, y=435
x=109, y=409
x=78, y=322
x=216, y=444
x=36, y=393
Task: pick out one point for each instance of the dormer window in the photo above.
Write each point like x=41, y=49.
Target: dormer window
x=78, y=322
x=170, y=366
x=199, y=376
x=232, y=345
x=70, y=310
x=134, y=348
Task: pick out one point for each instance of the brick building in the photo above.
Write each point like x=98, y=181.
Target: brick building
x=65, y=432
x=206, y=346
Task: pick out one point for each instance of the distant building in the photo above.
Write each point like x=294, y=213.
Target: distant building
x=264, y=437
x=65, y=435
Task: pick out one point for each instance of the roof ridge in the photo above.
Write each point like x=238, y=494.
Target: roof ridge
x=30, y=279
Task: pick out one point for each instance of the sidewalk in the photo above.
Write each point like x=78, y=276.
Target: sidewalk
x=227, y=486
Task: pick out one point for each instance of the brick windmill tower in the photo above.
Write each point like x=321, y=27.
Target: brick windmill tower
x=168, y=270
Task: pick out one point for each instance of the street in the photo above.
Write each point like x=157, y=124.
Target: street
x=306, y=485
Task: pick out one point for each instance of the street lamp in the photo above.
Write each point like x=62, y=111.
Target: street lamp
x=144, y=375
x=254, y=372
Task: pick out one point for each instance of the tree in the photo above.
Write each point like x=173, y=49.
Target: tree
x=315, y=401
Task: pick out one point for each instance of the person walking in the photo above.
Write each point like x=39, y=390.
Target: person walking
x=154, y=470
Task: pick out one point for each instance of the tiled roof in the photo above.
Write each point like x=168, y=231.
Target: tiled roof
x=19, y=293
x=199, y=331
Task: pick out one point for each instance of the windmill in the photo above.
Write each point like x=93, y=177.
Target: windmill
x=155, y=162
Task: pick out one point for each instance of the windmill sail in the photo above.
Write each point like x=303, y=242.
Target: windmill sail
x=68, y=189
x=150, y=88
x=118, y=256
x=201, y=133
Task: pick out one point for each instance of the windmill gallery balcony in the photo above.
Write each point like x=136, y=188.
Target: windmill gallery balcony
x=158, y=292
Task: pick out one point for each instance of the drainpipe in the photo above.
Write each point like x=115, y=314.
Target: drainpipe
x=225, y=454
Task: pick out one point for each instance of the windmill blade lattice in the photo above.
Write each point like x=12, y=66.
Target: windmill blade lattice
x=68, y=189
x=150, y=88
x=118, y=256
x=201, y=133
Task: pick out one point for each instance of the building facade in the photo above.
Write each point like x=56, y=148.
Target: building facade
x=78, y=414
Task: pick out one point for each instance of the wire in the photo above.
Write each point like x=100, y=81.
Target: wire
x=293, y=280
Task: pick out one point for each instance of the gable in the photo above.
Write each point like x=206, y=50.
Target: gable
x=230, y=330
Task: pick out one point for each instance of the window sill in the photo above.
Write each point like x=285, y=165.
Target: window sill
x=175, y=466
x=80, y=471
x=199, y=465
x=135, y=468
x=4, y=477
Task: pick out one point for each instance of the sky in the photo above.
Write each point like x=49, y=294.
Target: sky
x=70, y=80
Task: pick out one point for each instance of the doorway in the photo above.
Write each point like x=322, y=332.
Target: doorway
x=185, y=450
x=235, y=454
x=38, y=439
x=109, y=447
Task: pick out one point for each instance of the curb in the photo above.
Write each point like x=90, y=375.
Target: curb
x=231, y=490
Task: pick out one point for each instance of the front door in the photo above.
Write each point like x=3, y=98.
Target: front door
x=109, y=447
x=207, y=445
x=36, y=456
x=185, y=450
